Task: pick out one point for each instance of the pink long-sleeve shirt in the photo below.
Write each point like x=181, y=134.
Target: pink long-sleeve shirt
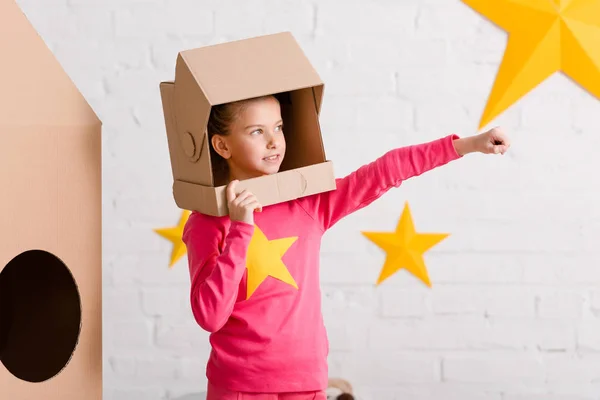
x=275, y=340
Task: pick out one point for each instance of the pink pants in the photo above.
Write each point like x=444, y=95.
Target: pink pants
x=215, y=393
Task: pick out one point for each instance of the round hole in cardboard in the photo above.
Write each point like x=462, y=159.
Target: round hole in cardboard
x=40, y=316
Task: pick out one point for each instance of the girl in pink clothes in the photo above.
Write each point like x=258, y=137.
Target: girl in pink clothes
x=255, y=273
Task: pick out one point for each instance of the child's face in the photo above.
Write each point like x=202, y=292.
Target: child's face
x=256, y=145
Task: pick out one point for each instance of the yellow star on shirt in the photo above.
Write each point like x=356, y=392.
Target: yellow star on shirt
x=544, y=37
x=263, y=259
x=174, y=235
x=405, y=248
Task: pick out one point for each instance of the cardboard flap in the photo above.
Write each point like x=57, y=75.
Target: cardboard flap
x=35, y=88
x=269, y=190
x=248, y=68
x=188, y=145
x=191, y=112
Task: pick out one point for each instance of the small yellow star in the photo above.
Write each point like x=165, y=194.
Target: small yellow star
x=174, y=234
x=263, y=259
x=545, y=36
x=405, y=248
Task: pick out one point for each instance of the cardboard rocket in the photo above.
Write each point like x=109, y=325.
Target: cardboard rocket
x=50, y=214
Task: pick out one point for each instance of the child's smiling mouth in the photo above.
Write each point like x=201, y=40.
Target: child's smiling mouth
x=273, y=158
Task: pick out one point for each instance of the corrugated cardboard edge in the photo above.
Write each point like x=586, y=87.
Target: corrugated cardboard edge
x=186, y=194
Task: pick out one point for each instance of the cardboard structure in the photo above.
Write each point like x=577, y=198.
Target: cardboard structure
x=50, y=214
x=238, y=70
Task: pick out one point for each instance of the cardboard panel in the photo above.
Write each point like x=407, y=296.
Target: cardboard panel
x=248, y=68
x=35, y=89
x=50, y=214
x=53, y=204
x=269, y=190
x=194, y=164
x=302, y=131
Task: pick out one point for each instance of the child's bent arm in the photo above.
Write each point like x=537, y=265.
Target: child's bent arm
x=372, y=180
x=215, y=276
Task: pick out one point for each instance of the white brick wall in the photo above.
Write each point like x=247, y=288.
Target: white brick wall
x=515, y=309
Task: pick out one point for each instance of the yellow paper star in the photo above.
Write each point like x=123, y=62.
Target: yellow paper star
x=263, y=259
x=174, y=234
x=405, y=248
x=545, y=36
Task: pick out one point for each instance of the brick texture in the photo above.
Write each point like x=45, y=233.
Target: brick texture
x=514, y=312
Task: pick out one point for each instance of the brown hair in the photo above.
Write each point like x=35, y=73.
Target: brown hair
x=220, y=120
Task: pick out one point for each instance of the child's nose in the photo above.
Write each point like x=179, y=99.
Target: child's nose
x=271, y=141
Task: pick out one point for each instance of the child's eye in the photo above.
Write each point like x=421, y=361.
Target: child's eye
x=279, y=128
x=256, y=131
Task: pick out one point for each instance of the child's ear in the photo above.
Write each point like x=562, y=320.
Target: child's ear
x=219, y=143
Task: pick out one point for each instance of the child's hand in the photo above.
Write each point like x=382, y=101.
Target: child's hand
x=493, y=141
x=241, y=206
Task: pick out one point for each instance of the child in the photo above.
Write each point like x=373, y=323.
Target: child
x=263, y=311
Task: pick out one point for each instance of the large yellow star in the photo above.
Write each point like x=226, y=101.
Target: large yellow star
x=544, y=37
x=263, y=259
x=174, y=234
x=405, y=248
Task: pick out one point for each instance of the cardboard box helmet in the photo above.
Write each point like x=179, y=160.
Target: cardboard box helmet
x=239, y=70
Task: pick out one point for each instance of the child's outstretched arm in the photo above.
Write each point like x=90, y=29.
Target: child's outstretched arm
x=371, y=181
x=215, y=275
